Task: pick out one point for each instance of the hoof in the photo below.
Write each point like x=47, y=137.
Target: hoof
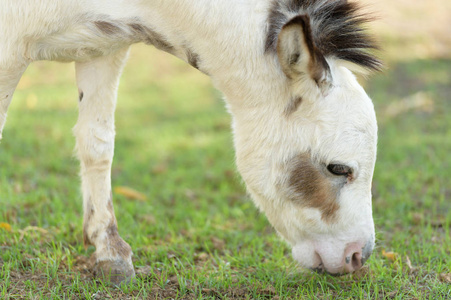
x=114, y=271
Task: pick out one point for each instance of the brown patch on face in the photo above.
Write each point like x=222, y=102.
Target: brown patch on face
x=312, y=188
x=151, y=37
x=107, y=27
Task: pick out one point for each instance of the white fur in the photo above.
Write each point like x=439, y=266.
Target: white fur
x=229, y=38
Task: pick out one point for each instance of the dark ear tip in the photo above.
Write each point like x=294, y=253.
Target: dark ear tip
x=303, y=20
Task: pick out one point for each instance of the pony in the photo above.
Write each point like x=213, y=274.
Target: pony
x=305, y=131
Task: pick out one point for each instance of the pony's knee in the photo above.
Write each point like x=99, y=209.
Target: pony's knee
x=94, y=144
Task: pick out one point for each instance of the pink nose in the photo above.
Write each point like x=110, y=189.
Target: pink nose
x=354, y=256
x=353, y=259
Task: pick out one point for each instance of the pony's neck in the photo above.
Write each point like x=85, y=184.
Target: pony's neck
x=227, y=38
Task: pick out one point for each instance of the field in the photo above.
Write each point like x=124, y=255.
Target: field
x=197, y=234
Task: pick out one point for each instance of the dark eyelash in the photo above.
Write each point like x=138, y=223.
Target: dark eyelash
x=339, y=170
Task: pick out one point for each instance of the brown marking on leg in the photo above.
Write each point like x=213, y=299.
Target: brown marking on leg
x=115, y=241
x=110, y=207
x=86, y=241
x=312, y=188
x=118, y=268
x=80, y=96
x=107, y=27
x=86, y=221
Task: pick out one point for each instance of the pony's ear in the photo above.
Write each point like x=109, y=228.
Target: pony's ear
x=298, y=54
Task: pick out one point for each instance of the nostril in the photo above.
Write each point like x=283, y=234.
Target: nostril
x=356, y=261
x=317, y=264
x=353, y=258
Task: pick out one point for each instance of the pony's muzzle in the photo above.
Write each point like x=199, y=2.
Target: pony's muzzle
x=354, y=257
x=332, y=256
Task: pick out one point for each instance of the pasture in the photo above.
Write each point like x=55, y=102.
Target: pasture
x=194, y=231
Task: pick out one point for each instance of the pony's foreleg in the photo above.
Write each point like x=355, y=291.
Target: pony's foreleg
x=9, y=77
x=97, y=82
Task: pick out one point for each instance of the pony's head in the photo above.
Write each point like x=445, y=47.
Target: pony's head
x=307, y=149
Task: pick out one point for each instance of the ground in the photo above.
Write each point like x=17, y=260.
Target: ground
x=194, y=231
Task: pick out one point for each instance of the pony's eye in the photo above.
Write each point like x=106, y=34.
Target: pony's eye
x=339, y=170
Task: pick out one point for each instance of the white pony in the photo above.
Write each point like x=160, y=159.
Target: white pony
x=304, y=130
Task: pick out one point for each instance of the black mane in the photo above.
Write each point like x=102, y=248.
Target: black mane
x=337, y=29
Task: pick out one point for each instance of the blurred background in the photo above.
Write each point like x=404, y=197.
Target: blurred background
x=412, y=29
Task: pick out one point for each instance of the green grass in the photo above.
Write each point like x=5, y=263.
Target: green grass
x=198, y=235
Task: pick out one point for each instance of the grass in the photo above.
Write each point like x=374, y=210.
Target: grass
x=198, y=236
